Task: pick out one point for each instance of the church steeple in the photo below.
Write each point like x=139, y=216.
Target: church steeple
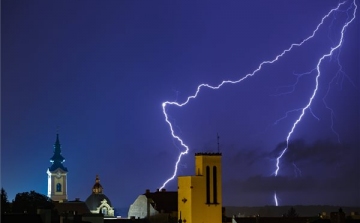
x=57, y=159
x=57, y=174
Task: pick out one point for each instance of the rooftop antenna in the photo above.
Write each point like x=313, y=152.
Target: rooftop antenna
x=218, y=142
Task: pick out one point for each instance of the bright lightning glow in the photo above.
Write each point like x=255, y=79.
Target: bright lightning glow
x=275, y=198
x=307, y=107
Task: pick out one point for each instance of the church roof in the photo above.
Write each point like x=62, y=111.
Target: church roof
x=207, y=154
x=163, y=200
x=94, y=201
x=57, y=159
x=57, y=165
x=97, y=196
x=72, y=206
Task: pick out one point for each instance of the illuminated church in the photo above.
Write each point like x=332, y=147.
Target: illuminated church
x=96, y=203
x=57, y=175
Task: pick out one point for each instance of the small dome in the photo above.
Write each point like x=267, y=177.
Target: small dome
x=94, y=201
x=97, y=197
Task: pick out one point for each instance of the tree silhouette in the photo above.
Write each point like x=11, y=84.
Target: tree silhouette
x=29, y=202
x=5, y=205
x=291, y=213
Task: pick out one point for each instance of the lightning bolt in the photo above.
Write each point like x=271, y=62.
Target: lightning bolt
x=277, y=57
x=340, y=75
x=292, y=87
x=297, y=171
x=307, y=106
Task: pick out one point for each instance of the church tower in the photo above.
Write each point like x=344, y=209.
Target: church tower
x=200, y=196
x=57, y=175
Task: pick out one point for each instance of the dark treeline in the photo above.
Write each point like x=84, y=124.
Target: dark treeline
x=25, y=202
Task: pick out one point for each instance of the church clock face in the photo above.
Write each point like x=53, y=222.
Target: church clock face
x=58, y=175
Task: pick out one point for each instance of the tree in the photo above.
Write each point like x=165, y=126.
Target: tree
x=5, y=205
x=291, y=213
x=29, y=202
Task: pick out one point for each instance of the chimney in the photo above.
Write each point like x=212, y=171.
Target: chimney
x=163, y=190
x=147, y=191
x=157, y=190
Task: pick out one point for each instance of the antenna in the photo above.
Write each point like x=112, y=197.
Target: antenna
x=218, y=142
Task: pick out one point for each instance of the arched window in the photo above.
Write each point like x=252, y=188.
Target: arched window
x=58, y=187
x=104, y=211
x=214, y=185
x=207, y=184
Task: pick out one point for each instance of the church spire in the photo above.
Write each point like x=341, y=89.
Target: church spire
x=57, y=159
x=97, y=188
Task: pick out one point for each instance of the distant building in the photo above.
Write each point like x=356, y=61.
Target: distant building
x=57, y=175
x=75, y=207
x=200, y=196
x=160, y=205
x=337, y=217
x=75, y=212
x=334, y=217
x=98, y=202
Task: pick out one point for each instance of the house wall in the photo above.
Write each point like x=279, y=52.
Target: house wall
x=141, y=208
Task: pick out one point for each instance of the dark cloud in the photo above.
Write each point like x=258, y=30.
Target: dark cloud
x=291, y=190
x=245, y=157
x=326, y=170
x=260, y=184
x=322, y=152
x=270, y=184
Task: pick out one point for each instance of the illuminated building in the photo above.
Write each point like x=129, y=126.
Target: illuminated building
x=200, y=196
x=57, y=175
x=98, y=202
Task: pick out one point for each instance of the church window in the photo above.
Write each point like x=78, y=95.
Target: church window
x=104, y=211
x=58, y=187
x=207, y=184
x=214, y=185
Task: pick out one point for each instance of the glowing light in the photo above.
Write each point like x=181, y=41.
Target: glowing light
x=277, y=57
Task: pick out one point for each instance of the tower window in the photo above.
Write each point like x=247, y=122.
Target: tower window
x=207, y=184
x=214, y=185
x=58, y=187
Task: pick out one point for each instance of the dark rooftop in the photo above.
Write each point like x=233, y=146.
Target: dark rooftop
x=166, y=201
x=208, y=154
x=78, y=207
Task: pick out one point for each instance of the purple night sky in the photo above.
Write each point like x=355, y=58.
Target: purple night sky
x=101, y=71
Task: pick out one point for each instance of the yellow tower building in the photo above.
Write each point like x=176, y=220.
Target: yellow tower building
x=200, y=196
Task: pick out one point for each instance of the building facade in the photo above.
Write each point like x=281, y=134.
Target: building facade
x=200, y=196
